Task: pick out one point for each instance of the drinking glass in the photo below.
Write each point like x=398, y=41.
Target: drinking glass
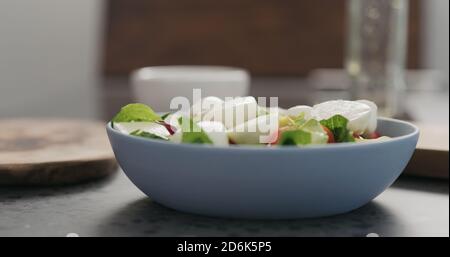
x=376, y=52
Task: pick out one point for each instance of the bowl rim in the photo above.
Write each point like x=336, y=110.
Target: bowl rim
x=412, y=134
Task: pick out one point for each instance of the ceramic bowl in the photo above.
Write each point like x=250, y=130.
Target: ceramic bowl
x=157, y=86
x=262, y=182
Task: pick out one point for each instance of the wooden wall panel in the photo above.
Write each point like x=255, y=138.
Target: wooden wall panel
x=270, y=37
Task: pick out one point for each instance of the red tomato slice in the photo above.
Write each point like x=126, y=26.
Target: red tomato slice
x=373, y=135
x=330, y=135
x=277, y=139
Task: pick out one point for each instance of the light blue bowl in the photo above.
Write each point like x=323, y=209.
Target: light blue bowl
x=266, y=183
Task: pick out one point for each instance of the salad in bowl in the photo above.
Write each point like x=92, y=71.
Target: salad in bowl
x=241, y=121
x=239, y=159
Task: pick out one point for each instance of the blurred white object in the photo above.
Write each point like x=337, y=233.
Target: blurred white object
x=157, y=86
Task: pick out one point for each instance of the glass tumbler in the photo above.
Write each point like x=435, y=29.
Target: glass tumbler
x=376, y=52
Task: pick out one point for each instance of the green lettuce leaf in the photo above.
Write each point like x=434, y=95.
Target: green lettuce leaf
x=338, y=126
x=192, y=133
x=318, y=134
x=136, y=112
x=164, y=116
x=295, y=137
x=146, y=134
x=309, y=132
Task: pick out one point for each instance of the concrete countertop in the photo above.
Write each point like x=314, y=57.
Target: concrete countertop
x=114, y=207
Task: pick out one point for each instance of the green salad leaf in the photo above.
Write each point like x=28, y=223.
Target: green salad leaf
x=192, y=133
x=310, y=132
x=141, y=133
x=164, y=116
x=295, y=137
x=337, y=124
x=136, y=112
x=318, y=134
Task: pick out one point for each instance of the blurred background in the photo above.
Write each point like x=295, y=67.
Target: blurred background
x=67, y=58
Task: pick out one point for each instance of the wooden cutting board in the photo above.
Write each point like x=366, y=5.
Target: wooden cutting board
x=53, y=151
x=431, y=158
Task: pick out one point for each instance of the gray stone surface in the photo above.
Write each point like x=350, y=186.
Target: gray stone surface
x=114, y=207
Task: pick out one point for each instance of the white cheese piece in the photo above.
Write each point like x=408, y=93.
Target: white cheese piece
x=295, y=111
x=234, y=112
x=372, y=126
x=215, y=131
x=359, y=114
x=150, y=127
x=263, y=129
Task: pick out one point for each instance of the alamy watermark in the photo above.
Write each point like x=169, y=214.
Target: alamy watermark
x=238, y=114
